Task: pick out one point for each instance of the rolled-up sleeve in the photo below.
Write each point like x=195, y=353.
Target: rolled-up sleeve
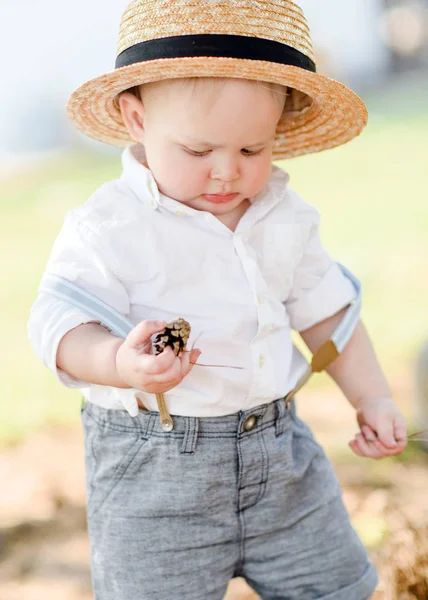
x=320, y=289
x=50, y=319
x=78, y=256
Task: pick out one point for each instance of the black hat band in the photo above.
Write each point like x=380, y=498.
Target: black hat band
x=217, y=45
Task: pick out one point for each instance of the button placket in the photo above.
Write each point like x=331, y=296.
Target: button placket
x=253, y=463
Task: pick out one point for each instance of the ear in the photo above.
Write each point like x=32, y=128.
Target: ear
x=132, y=110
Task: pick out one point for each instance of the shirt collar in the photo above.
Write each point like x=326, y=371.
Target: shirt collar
x=140, y=179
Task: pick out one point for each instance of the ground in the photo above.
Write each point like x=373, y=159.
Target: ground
x=43, y=542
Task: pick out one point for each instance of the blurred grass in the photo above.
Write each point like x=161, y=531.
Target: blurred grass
x=374, y=205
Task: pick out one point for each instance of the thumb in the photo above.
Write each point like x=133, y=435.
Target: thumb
x=385, y=433
x=142, y=333
x=400, y=429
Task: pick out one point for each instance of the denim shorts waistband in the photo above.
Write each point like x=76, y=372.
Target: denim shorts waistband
x=245, y=422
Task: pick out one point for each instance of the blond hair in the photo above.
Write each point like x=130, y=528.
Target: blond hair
x=139, y=91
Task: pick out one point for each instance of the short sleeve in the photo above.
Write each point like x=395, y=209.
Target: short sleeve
x=320, y=289
x=83, y=257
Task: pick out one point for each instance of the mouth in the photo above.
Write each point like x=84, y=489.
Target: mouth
x=220, y=198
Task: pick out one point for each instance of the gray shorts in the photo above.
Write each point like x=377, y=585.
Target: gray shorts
x=174, y=516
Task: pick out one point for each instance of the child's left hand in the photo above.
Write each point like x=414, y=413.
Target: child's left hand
x=383, y=429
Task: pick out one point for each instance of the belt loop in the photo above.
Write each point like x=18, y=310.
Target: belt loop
x=190, y=435
x=281, y=411
x=146, y=431
x=291, y=407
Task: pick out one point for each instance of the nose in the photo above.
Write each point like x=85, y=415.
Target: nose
x=225, y=170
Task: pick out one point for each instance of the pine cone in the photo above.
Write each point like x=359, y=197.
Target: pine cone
x=175, y=335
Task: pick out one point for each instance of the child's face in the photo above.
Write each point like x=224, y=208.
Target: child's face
x=210, y=147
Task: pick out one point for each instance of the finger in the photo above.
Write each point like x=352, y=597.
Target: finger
x=159, y=364
x=188, y=361
x=385, y=434
x=354, y=447
x=142, y=333
x=175, y=371
x=169, y=379
x=384, y=451
x=194, y=357
x=400, y=429
x=367, y=449
x=184, y=358
x=360, y=418
x=369, y=433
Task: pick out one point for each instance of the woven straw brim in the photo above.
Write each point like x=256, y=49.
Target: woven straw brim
x=336, y=114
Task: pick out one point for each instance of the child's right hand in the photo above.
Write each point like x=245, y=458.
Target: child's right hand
x=141, y=370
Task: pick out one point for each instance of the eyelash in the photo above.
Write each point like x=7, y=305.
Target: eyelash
x=200, y=154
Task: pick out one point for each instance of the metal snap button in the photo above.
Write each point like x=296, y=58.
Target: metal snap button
x=167, y=426
x=250, y=423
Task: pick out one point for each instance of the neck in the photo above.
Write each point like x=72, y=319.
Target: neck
x=232, y=219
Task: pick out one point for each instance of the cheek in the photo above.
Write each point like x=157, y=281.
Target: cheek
x=257, y=172
x=178, y=177
x=186, y=178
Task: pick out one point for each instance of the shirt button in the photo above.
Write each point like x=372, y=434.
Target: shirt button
x=261, y=361
x=250, y=423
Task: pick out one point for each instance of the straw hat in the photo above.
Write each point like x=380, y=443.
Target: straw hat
x=265, y=40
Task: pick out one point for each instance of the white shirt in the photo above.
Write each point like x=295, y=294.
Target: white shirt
x=151, y=257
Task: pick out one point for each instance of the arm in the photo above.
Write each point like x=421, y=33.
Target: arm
x=111, y=361
x=77, y=350
x=315, y=305
x=358, y=374
x=356, y=371
x=97, y=363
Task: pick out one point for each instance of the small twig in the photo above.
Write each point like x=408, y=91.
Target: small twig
x=414, y=437
x=223, y=366
x=202, y=365
x=417, y=433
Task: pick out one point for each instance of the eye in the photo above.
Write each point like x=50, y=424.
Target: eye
x=246, y=152
x=196, y=153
